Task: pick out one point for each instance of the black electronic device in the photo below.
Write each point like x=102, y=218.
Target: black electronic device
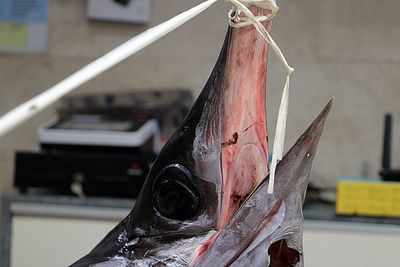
x=387, y=173
x=101, y=144
x=110, y=173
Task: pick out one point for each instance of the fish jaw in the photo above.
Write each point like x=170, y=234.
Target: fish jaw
x=265, y=222
x=171, y=254
x=244, y=154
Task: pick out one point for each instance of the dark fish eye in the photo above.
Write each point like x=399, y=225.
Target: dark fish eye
x=175, y=195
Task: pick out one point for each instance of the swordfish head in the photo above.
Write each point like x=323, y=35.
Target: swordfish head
x=208, y=182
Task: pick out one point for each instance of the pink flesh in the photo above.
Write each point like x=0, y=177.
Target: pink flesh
x=244, y=156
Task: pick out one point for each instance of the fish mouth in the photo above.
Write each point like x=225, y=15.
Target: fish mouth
x=266, y=222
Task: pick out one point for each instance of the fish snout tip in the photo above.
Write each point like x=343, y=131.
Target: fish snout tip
x=327, y=107
x=319, y=123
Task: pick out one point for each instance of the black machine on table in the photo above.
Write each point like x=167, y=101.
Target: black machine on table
x=102, y=144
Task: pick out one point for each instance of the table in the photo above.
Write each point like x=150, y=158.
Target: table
x=40, y=230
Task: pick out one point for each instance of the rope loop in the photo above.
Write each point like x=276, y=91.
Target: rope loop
x=238, y=21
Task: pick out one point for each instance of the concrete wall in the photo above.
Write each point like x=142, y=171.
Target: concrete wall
x=347, y=49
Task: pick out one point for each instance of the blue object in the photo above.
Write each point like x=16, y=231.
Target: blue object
x=23, y=11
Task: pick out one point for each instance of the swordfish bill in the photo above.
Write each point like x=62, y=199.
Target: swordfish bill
x=204, y=201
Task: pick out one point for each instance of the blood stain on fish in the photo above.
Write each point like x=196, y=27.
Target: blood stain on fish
x=232, y=141
x=238, y=198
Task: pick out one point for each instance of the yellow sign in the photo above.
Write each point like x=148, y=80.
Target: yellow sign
x=13, y=35
x=368, y=198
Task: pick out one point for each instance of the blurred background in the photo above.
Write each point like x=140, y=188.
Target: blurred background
x=343, y=49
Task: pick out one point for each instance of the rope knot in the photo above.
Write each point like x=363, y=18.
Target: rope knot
x=235, y=14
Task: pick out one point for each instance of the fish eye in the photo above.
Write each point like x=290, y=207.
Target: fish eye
x=175, y=195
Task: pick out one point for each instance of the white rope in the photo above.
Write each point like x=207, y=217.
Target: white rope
x=280, y=131
x=28, y=109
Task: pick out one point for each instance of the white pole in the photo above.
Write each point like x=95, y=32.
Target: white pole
x=28, y=109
